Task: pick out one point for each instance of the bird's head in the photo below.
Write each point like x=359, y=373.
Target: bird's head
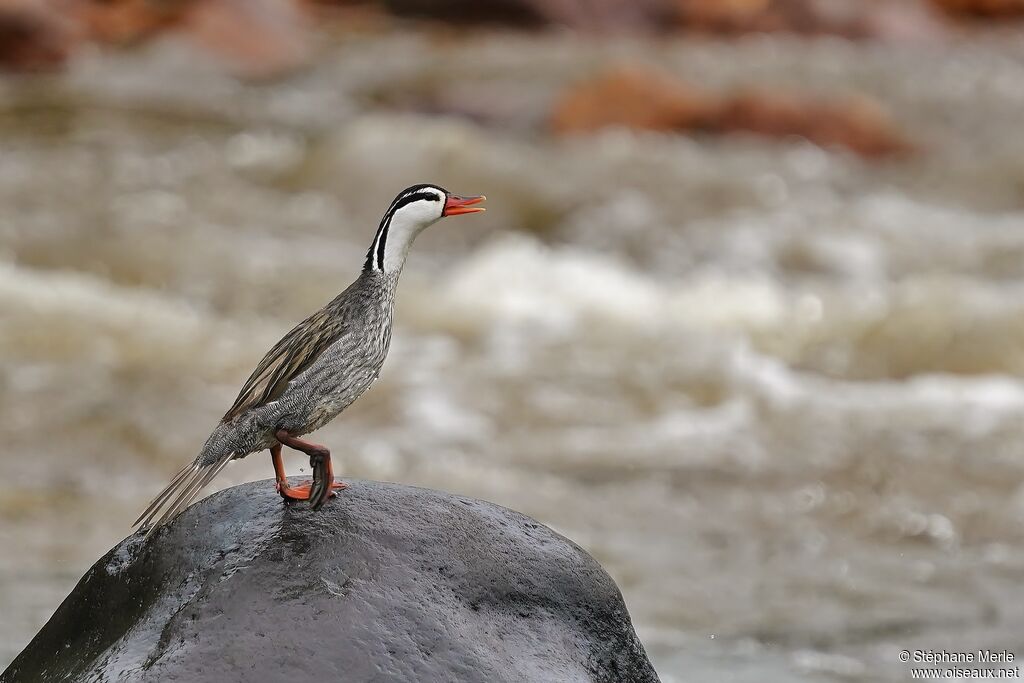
x=425, y=204
x=413, y=209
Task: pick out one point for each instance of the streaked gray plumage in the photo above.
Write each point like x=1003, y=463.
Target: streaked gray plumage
x=321, y=366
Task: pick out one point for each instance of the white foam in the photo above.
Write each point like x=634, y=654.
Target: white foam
x=52, y=293
x=518, y=280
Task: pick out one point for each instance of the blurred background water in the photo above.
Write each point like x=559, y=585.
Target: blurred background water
x=765, y=361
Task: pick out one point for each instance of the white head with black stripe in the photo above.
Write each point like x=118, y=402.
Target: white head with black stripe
x=412, y=210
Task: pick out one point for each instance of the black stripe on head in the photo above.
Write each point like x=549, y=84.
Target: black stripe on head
x=412, y=189
x=406, y=197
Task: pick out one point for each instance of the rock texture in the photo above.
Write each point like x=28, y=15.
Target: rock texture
x=386, y=583
x=633, y=97
x=646, y=99
x=34, y=37
x=253, y=38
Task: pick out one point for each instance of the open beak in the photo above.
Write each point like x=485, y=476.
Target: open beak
x=459, y=205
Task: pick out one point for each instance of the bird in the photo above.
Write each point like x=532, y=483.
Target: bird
x=317, y=369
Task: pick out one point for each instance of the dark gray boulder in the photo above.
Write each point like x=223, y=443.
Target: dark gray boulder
x=385, y=583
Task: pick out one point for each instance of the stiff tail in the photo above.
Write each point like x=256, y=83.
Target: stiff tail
x=182, y=490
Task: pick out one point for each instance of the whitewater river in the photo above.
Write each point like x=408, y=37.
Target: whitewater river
x=777, y=391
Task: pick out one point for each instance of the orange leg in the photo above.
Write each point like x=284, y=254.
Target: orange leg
x=287, y=492
x=323, y=485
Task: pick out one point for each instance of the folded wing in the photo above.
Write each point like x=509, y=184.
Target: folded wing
x=296, y=351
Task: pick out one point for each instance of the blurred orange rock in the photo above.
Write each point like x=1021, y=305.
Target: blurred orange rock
x=34, y=35
x=256, y=38
x=641, y=99
x=128, y=21
x=742, y=16
x=858, y=124
x=259, y=38
x=982, y=8
x=635, y=98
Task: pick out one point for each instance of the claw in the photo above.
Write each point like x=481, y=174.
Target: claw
x=289, y=493
x=323, y=480
x=302, y=491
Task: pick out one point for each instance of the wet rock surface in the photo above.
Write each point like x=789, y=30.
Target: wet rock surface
x=386, y=583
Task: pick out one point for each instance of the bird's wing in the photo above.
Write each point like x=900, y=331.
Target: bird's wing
x=294, y=353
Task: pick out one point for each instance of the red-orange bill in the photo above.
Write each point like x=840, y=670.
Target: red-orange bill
x=456, y=205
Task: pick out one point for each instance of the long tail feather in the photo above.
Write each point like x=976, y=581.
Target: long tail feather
x=166, y=493
x=189, y=492
x=176, y=496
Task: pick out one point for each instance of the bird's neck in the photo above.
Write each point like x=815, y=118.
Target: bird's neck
x=383, y=284
x=391, y=244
